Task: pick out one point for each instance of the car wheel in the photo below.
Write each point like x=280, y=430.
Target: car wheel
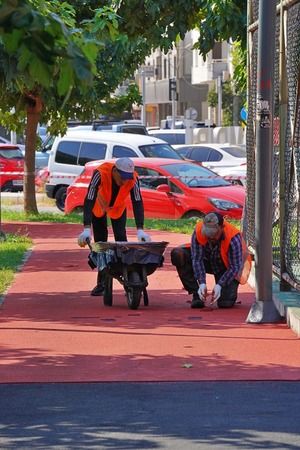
x=60, y=198
x=193, y=215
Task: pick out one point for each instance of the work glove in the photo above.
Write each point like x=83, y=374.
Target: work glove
x=202, y=292
x=142, y=236
x=216, y=293
x=83, y=237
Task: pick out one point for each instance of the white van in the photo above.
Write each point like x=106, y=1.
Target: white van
x=71, y=152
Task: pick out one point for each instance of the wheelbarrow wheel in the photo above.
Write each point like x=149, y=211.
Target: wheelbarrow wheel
x=134, y=295
x=108, y=291
x=134, y=292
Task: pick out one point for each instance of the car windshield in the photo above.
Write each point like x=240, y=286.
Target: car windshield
x=11, y=153
x=237, y=152
x=159, y=151
x=195, y=176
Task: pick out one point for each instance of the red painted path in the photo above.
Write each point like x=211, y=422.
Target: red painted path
x=52, y=330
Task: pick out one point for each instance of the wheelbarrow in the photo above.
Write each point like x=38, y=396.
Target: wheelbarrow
x=128, y=262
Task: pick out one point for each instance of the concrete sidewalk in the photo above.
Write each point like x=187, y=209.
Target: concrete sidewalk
x=52, y=330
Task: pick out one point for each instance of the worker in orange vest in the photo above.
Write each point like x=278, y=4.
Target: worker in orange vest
x=109, y=188
x=217, y=247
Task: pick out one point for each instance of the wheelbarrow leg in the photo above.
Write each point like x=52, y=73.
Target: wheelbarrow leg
x=108, y=289
x=146, y=298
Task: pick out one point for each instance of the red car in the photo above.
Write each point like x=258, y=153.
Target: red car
x=171, y=189
x=11, y=168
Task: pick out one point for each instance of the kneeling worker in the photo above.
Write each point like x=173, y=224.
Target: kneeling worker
x=218, y=248
x=109, y=188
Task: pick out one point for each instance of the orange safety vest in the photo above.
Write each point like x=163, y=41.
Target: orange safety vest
x=101, y=205
x=229, y=232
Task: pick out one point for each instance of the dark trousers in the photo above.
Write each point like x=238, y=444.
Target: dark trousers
x=181, y=259
x=100, y=232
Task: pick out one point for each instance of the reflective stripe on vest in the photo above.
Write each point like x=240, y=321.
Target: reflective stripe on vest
x=229, y=232
x=104, y=194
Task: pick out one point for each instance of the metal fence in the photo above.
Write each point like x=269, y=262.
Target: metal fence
x=286, y=148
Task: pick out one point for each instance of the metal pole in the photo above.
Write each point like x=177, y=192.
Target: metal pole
x=264, y=310
x=174, y=95
x=283, y=109
x=144, y=116
x=219, y=91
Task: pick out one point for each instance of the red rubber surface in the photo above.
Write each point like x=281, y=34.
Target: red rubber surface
x=52, y=330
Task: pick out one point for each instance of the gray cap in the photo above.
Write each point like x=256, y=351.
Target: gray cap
x=212, y=224
x=125, y=167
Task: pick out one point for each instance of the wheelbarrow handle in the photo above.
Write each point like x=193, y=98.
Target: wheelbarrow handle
x=88, y=241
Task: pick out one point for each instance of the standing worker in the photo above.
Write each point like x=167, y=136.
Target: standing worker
x=109, y=188
x=218, y=248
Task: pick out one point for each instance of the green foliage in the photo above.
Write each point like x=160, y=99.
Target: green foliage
x=212, y=98
x=239, y=61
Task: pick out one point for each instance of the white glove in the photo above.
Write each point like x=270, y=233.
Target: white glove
x=142, y=236
x=82, y=238
x=216, y=293
x=202, y=291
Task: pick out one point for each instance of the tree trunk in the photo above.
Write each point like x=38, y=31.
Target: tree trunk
x=33, y=116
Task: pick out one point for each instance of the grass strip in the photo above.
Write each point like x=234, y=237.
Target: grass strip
x=12, y=252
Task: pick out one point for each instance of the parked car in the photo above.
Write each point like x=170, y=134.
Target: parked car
x=171, y=189
x=213, y=156
x=11, y=168
x=173, y=137
x=236, y=175
x=71, y=152
x=3, y=140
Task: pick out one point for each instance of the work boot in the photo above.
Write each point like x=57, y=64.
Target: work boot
x=100, y=286
x=197, y=302
x=98, y=290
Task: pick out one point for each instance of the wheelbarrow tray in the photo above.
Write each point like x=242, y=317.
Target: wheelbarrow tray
x=130, y=263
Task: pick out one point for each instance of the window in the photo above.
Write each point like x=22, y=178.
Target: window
x=91, y=151
x=67, y=152
x=119, y=151
x=159, y=151
x=217, y=51
x=150, y=183
x=158, y=67
x=214, y=155
x=165, y=69
x=11, y=153
x=195, y=176
x=200, y=154
x=237, y=152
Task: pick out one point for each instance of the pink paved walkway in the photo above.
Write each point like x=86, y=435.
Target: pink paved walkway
x=53, y=331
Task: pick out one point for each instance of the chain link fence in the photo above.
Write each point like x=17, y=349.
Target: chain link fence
x=286, y=148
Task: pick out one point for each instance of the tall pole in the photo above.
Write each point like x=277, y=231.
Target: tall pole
x=174, y=98
x=264, y=310
x=283, y=114
x=219, y=92
x=144, y=117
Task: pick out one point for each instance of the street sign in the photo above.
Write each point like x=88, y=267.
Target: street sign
x=244, y=114
x=147, y=71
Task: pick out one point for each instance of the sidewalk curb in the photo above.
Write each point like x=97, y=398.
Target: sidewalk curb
x=286, y=302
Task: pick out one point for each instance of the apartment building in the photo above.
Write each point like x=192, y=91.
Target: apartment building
x=194, y=78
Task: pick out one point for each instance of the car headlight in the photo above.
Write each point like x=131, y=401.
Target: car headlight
x=224, y=204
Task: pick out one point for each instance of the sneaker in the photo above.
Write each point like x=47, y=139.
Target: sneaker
x=197, y=302
x=98, y=290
